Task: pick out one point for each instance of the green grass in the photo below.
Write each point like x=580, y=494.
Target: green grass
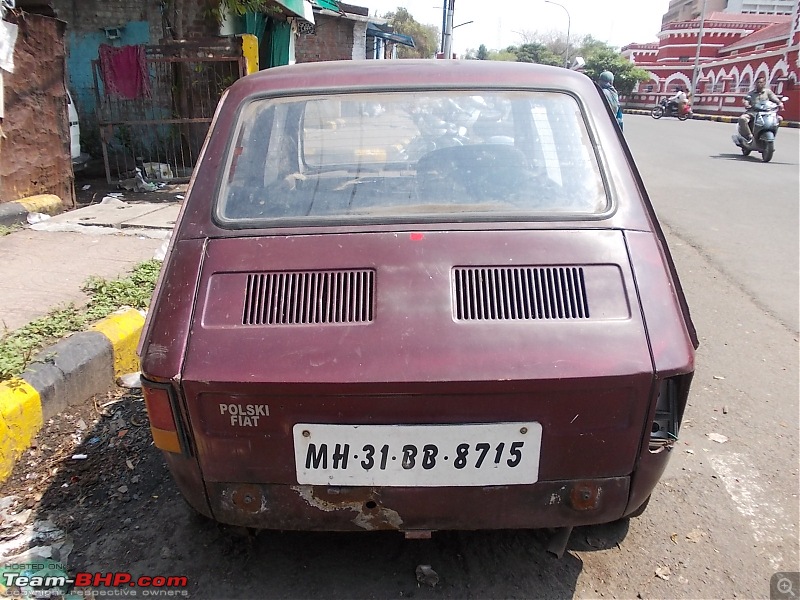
x=6, y=229
x=18, y=347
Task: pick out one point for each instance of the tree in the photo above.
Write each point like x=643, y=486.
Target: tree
x=426, y=37
x=483, y=53
x=626, y=74
x=554, y=41
x=535, y=53
x=505, y=55
x=179, y=15
x=589, y=46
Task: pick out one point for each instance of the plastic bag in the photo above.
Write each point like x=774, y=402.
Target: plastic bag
x=8, y=39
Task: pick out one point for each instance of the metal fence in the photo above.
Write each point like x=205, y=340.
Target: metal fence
x=162, y=132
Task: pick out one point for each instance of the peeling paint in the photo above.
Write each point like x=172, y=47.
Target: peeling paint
x=369, y=519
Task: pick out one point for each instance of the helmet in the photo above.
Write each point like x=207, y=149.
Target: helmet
x=607, y=77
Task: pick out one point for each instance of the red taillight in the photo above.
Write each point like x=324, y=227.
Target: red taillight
x=162, y=419
x=159, y=408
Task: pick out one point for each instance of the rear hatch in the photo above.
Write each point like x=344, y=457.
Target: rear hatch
x=307, y=352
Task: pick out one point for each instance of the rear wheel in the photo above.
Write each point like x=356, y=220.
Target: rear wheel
x=657, y=112
x=682, y=116
x=768, y=151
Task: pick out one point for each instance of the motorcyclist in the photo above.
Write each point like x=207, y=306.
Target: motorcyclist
x=678, y=101
x=761, y=93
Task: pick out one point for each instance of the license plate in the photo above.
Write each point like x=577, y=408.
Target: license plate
x=417, y=455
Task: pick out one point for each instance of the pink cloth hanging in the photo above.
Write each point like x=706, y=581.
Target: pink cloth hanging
x=124, y=72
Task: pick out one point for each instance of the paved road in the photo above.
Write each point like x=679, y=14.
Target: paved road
x=739, y=212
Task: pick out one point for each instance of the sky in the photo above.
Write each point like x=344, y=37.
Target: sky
x=495, y=23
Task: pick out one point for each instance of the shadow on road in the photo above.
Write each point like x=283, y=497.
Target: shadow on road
x=741, y=157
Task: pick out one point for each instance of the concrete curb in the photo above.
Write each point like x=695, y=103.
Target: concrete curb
x=69, y=372
x=702, y=117
x=13, y=213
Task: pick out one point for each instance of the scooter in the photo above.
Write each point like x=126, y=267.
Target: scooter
x=763, y=127
x=670, y=109
x=446, y=124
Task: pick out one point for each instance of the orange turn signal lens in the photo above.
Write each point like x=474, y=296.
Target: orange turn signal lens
x=166, y=440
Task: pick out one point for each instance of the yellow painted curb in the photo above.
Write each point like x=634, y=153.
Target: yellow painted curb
x=43, y=203
x=123, y=329
x=20, y=421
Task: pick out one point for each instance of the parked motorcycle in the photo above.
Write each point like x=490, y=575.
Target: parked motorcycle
x=764, y=128
x=442, y=124
x=671, y=109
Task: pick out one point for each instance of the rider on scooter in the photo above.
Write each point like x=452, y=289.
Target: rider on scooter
x=760, y=93
x=679, y=101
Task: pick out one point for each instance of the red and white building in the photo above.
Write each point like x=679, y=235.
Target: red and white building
x=733, y=51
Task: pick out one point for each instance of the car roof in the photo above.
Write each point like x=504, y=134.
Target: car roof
x=391, y=74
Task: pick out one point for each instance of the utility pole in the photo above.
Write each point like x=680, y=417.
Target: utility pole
x=448, y=29
x=566, y=52
x=696, y=71
x=444, y=25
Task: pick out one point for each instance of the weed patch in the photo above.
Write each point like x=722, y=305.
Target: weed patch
x=18, y=347
x=6, y=229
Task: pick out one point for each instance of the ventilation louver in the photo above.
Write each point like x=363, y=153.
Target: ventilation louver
x=299, y=298
x=520, y=293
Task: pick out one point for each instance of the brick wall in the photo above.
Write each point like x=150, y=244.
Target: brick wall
x=333, y=41
x=90, y=16
x=139, y=22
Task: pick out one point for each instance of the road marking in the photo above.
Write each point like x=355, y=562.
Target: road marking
x=767, y=519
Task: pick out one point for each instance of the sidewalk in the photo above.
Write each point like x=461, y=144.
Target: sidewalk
x=44, y=267
x=43, y=270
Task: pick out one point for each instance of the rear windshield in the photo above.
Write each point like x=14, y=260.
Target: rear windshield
x=410, y=157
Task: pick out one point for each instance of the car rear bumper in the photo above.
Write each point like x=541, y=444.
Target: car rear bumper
x=323, y=508
x=546, y=504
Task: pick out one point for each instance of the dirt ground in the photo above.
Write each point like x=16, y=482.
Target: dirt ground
x=94, y=478
x=92, y=188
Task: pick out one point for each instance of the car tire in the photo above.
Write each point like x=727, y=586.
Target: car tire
x=746, y=152
x=768, y=151
x=657, y=112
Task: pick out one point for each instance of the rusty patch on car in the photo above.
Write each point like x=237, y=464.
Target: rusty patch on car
x=248, y=498
x=370, y=515
x=585, y=496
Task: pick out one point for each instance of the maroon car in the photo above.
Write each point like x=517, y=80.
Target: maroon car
x=417, y=295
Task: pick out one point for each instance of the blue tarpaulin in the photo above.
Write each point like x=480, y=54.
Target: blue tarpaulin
x=385, y=32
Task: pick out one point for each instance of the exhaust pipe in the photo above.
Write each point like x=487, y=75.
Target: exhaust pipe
x=558, y=542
